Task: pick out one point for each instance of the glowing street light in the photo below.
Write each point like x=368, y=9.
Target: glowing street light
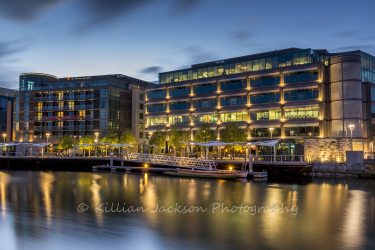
x=271, y=130
x=47, y=136
x=351, y=127
x=96, y=137
x=4, y=135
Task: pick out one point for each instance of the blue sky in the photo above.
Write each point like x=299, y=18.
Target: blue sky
x=140, y=38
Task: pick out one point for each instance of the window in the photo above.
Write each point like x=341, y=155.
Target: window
x=26, y=136
x=180, y=91
x=114, y=104
x=114, y=94
x=265, y=132
x=156, y=108
x=103, y=103
x=27, y=97
x=205, y=103
x=156, y=94
x=205, y=88
x=209, y=118
x=140, y=134
x=17, y=117
x=157, y=121
x=234, y=117
x=179, y=120
x=113, y=125
x=141, y=126
x=230, y=85
x=179, y=105
x=302, y=113
x=301, y=77
x=264, y=98
x=103, y=93
x=26, y=116
x=302, y=131
x=103, y=124
x=113, y=114
x=140, y=115
x=141, y=97
x=17, y=107
x=305, y=94
x=141, y=106
x=232, y=101
x=17, y=126
x=265, y=115
x=265, y=81
x=103, y=114
x=26, y=126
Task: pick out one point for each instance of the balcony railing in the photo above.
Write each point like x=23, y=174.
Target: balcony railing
x=63, y=98
x=59, y=108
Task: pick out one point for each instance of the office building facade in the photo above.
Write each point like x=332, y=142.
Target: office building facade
x=300, y=93
x=6, y=114
x=77, y=106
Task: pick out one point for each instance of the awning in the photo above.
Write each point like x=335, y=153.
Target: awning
x=156, y=115
x=184, y=113
x=222, y=111
x=179, y=99
x=179, y=85
x=232, y=79
x=269, y=74
x=300, y=70
x=314, y=124
x=156, y=102
x=264, y=91
x=271, y=125
x=301, y=87
x=205, y=97
x=301, y=105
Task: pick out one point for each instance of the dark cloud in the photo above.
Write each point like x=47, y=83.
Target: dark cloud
x=151, y=70
x=199, y=55
x=241, y=35
x=183, y=6
x=26, y=10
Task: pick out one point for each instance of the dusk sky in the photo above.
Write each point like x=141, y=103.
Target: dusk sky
x=140, y=38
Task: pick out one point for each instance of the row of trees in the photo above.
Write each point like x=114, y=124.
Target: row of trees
x=231, y=133
x=66, y=142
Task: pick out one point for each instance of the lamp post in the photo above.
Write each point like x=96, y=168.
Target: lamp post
x=271, y=130
x=351, y=127
x=96, y=137
x=4, y=135
x=47, y=136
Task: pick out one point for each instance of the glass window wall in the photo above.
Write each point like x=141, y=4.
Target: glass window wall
x=265, y=115
x=209, y=118
x=234, y=117
x=301, y=113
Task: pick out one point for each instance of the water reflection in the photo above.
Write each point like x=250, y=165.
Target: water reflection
x=331, y=213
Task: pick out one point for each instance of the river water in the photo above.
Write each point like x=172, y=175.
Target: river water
x=76, y=210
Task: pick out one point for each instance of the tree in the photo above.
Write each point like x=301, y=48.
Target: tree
x=158, y=139
x=176, y=136
x=88, y=139
x=65, y=142
x=204, y=134
x=232, y=133
x=127, y=137
x=111, y=137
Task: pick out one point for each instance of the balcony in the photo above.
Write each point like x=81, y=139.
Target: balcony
x=63, y=98
x=57, y=108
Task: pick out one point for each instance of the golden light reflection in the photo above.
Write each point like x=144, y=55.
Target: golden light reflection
x=96, y=197
x=4, y=180
x=46, y=180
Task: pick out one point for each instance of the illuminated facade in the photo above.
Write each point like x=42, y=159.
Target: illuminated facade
x=77, y=106
x=6, y=106
x=301, y=93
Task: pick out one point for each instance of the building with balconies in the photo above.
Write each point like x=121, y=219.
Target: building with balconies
x=77, y=106
x=299, y=93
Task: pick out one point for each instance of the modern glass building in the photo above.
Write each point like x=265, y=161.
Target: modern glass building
x=301, y=93
x=77, y=106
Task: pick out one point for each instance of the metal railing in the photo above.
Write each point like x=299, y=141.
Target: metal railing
x=279, y=158
x=171, y=160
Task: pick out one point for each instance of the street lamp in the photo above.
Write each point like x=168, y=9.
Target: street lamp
x=271, y=130
x=351, y=127
x=96, y=137
x=4, y=135
x=47, y=136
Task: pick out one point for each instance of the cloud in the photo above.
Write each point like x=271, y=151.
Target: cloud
x=26, y=10
x=198, y=55
x=241, y=35
x=183, y=6
x=151, y=70
x=367, y=47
